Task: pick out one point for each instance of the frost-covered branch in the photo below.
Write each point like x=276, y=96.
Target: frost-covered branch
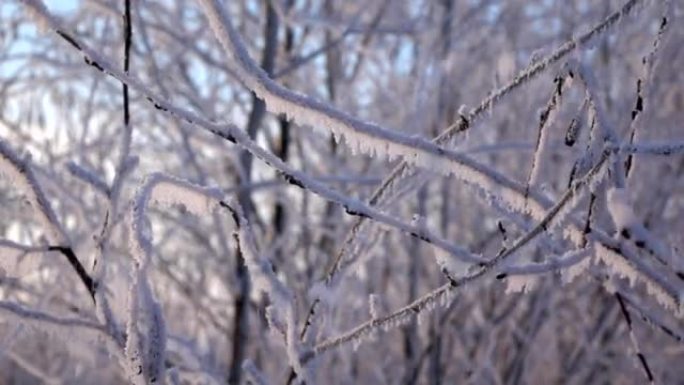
x=359, y=135
x=464, y=167
x=566, y=261
x=145, y=326
x=546, y=119
x=442, y=294
x=468, y=170
x=539, y=66
x=466, y=121
x=503, y=206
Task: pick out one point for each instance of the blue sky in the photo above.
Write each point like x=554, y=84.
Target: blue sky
x=62, y=5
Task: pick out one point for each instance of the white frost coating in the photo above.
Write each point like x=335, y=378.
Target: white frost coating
x=463, y=167
x=261, y=272
x=155, y=334
x=664, y=299
x=20, y=174
x=169, y=191
x=140, y=243
x=166, y=190
x=618, y=265
x=145, y=347
x=547, y=118
x=522, y=283
x=620, y=208
x=508, y=187
x=134, y=348
x=368, y=137
x=396, y=319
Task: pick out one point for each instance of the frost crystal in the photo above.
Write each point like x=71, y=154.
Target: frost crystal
x=616, y=263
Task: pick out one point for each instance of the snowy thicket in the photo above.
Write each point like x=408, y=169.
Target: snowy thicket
x=341, y=192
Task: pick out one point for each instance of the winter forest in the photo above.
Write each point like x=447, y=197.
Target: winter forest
x=341, y=192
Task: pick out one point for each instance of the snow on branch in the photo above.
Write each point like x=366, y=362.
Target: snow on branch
x=472, y=172
x=359, y=135
x=146, y=333
x=600, y=121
